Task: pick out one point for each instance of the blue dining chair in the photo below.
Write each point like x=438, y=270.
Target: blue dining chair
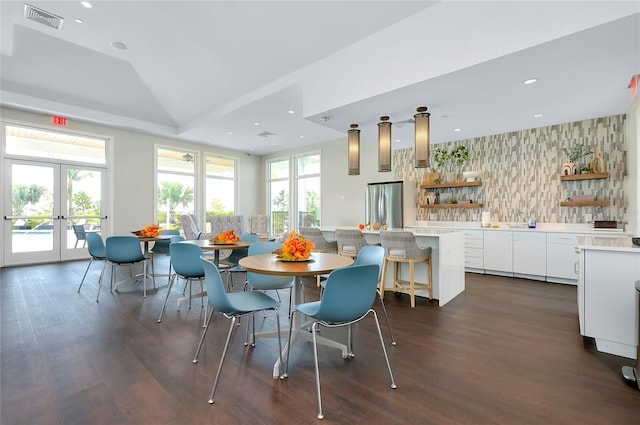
x=125, y=251
x=236, y=255
x=185, y=258
x=232, y=306
x=347, y=298
x=161, y=247
x=98, y=252
x=371, y=254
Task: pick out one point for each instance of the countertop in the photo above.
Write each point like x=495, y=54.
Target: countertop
x=620, y=244
x=442, y=227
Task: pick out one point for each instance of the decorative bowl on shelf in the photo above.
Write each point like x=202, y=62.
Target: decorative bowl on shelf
x=470, y=176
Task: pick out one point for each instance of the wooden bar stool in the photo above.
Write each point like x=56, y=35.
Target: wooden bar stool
x=401, y=247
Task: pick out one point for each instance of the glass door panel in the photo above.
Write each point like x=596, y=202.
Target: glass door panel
x=32, y=213
x=82, y=208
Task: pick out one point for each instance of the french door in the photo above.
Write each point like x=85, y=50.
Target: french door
x=49, y=208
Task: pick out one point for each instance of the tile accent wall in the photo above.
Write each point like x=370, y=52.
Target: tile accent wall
x=520, y=174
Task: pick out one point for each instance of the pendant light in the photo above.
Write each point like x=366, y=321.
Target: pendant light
x=422, y=137
x=353, y=150
x=384, y=144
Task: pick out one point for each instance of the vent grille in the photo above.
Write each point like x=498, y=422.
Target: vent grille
x=266, y=134
x=43, y=17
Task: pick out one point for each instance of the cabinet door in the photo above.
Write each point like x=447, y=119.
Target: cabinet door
x=498, y=251
x=561, y=256
x=610, y=300
x=530, y=253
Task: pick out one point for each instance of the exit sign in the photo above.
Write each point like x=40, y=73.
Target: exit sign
x=62, y=121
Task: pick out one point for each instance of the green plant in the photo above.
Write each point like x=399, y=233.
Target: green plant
x=460, y=155
x=441, y=156
x=577, y=152
x=585, y=169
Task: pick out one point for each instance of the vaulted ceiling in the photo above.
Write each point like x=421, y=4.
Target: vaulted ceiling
x=263, y=76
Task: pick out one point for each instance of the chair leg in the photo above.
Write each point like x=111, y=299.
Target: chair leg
x=286, y=366
x=104, y=266
x=383, y=279
x=314, y=330
x=384, y=350
x=166, y=298
x=204, y=333
x=224, y=353
x=412, y=283
x=386, y=317
x=85, y=274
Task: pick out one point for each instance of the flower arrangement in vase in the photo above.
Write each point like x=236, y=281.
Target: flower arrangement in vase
x=227, y=237
x=295, y=248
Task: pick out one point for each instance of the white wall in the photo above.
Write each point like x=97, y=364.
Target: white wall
x=632, y=181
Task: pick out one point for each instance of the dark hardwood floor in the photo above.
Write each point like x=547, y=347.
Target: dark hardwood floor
x=506, y=351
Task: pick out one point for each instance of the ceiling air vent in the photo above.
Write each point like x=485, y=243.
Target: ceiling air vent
x=43, y=17
x=266, y=134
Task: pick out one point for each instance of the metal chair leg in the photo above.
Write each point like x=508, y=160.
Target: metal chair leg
x=224, y=353
x=166, y=298
x=85, y=274
x=314, y=329
x=386, y=317
x=204, y=333
x=384, y=350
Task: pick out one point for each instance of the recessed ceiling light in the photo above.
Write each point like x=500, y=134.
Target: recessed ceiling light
x=79, y=20
x=119, y=45
x=302, y=137
x=229, y=133
x=292, y=112
x=537, y=115
x=456, y=129
x=530, y=81
x=86, y=4
x=256, y=123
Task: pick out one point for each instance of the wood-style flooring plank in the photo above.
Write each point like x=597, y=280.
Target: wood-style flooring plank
x=506, y=351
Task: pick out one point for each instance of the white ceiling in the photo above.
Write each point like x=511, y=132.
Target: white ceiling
x=198, y=70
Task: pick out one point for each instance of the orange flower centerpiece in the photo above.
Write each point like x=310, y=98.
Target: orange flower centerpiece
x=150, y=231
x=295, y=248
x=228, y=237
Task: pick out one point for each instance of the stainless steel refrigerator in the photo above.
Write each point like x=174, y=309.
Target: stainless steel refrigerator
x=384, y=205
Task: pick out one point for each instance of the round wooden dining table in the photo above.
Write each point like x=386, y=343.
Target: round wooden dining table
x=319, y=263
x=207, y=245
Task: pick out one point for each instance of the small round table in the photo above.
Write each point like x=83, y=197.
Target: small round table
x=320, y=263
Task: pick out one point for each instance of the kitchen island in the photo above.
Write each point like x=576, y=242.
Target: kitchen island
x=607, y=300
x=447, y=257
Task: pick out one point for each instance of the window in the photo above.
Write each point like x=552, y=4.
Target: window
x=302, y=190
x=279, y=196
x=33, y=142
x=308, y=190
x=176, y=183
x=220, y=196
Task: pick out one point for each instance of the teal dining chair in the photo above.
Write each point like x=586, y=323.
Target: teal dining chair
x=232, y=306
x=185, y=258
x=125, y=251
x=161, y=247
x=347, y=298
x=98, y=252
x=371, y=254
x=231, y=262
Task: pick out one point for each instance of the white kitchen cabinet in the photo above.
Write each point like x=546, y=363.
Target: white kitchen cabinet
x=474, y=251
x=530, y=255
x=497, y=253
x=610, y=311
x=562, y=258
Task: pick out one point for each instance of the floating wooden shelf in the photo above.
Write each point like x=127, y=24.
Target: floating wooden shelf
x=450, y=184
x=584, y=204
x=443, y=206
x=588, y=176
